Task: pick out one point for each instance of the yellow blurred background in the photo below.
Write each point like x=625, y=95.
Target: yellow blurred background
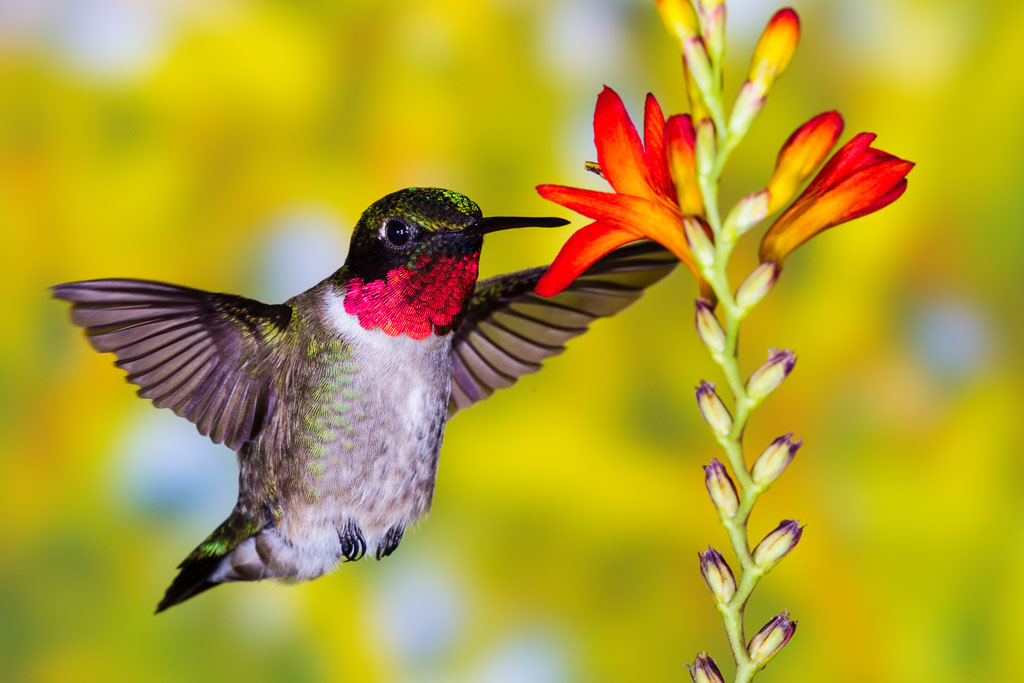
x=231, y=145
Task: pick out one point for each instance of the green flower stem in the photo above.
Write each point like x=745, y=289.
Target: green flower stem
x=732, y=443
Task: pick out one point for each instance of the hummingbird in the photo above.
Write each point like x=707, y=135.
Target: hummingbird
x=336, y=400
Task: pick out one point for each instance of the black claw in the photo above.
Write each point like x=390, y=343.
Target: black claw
x=353, y=545
x=390, y=541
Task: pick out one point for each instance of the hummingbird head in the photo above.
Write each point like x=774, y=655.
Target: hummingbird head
x=413, y=259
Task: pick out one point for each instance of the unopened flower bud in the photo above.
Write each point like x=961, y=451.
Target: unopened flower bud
x=722, y=490
x=679, y=146
x=777, y=544
x=706, y=147
x=679, y=18
x=698, y=64
x=748, y=212
x=770, y=464
x=717, y=575
x=698, y=109
x=757, y=285
x=712, y=23
x=769, y=376
x=802, y=154
x=704, y=670
x=775, y=48
x=713, y=410
x=697, y=239
x=709, y=329
x=749, y=103
x=772, y=637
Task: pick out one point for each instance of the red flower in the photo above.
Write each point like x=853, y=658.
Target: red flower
x=856, y=181
x=644, y=204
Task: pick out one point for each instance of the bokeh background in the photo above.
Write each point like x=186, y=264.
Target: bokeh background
x=231, y=145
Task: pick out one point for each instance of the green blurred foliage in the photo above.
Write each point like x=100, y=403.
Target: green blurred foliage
x=230, y=145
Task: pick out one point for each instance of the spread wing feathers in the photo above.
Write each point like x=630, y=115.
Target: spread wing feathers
x=508, y=330
x=192, y=351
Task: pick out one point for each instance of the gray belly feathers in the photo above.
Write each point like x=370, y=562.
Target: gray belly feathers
x=360, y=464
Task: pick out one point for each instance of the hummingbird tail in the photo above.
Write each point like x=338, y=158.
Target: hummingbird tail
x=210, y=564
x=193, y=579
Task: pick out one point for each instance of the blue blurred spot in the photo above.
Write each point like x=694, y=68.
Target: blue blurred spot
x=583, y=39
x=305, y=245
x=417, y=611
x=110, y=39
x=165, y=468
x=952, y=338
x=528, y=657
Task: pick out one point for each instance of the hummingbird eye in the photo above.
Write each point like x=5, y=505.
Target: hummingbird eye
x=397, y=233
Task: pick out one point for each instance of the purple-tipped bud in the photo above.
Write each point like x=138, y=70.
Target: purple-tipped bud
x=713, y=410
x=717, y=575
x=697, y=239
x=757, y=285
x=770, y=464
x=771, y=638
x=705, y=146
x=721, y=488
x=704, y=670
x=777, y=544
x=709, y=329
x=766, y=378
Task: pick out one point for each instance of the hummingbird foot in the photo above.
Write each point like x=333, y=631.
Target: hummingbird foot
x=390, y=542
x=353, y=545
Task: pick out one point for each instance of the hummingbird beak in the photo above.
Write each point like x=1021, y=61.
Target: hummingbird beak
x=494, y=223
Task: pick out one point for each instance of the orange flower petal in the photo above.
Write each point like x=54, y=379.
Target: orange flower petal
x=803, y=152
x=654, y=149
x=637, y=215
x=618, y=146
x=579, y=252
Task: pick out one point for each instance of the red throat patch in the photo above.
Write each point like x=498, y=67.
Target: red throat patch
x=414, y=300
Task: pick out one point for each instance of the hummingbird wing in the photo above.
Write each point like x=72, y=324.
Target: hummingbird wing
x=198, y=353
x=508, y=330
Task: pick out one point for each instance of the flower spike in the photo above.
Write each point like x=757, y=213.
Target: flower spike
x=856, y=181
